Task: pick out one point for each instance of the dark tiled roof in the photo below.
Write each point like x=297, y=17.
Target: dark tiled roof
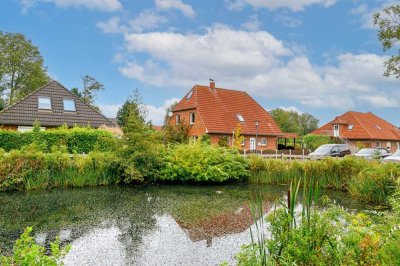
x=25, y=111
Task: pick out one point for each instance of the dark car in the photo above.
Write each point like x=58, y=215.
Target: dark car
x=370, y=153
x=331, y=150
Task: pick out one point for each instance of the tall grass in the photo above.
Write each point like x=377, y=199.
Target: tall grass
x=364, y=179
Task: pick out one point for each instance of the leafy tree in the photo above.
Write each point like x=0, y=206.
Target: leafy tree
x=177, y=134
x=21, y=67
x=133, y=106
x=238, y=137
x=293, y=122
x=388, y=21
x=167, y=112
x=90, y=88
x=223, y=141
x=2, y=104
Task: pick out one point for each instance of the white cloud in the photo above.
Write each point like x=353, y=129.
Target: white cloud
x=258, y=63
x=253, y=24
x=380, y=101
x=292, y=109
x=110, y=110
x=186, y=9
x=103, y=5
x=157, y=114
x=288, y=21
x=110, y=26
x=365, y=14
x=294, y=5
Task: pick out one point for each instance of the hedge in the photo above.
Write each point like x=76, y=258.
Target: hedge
x=76, y=140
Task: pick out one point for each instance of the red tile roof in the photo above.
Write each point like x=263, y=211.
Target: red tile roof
x=365, y=126
x=219, y=110
x=157, y=128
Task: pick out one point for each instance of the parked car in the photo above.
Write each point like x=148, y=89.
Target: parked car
x=331, y=150
x=395, y=157
x=370, y=153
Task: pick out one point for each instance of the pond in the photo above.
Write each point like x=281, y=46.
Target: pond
x=150, y=225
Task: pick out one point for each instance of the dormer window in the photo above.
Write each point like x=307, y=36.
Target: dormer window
x=189, y=95
x=240, y=118
x=350, y=127
x=44, y=103
x=69, y=105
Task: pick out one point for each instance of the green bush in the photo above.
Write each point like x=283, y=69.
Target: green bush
x=314, y=141
x=30, y=168
x=202, y=163
x=77, y=139
x=26, y=252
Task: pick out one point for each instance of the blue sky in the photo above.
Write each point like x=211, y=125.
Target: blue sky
x=316, y=56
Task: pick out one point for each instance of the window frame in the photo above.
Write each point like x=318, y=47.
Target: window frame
x=46, y=98
x=192, y=118
x=69, y=99
x=261, y=142
x=378, y=146
x=177, y=119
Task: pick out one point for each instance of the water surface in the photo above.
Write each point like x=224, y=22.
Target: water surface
x=151, y=225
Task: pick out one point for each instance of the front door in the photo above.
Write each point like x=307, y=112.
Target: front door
x=336, y=130
x=252, y=144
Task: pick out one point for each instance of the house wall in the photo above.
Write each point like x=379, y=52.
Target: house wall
x=197, y=129
x=271, y=141
x=8, y=127
x=394, y=145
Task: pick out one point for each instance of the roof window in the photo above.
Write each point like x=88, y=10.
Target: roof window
x=378, y=127
x=350, y=127
x=189, y=95
x=69, y=105
x=44, y=103
x=240, y=117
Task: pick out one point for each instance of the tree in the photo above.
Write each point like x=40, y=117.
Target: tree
x=133, y=106
x=2, y=104
x=21, y=67
x=90, y=89
x=238, y=137
x=388, y=21
x=293, y=122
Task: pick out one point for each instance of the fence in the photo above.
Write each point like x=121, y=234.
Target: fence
x=281, y=154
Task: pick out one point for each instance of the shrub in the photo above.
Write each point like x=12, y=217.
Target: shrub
x=30, y=168
x=77, y=139
x=202, y=163
x=26, y=252
x=314, y=141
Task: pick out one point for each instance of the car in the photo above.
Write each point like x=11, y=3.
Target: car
x=395, y=157
x=372, y=153
x=331, y=150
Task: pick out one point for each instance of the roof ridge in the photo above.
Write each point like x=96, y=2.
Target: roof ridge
x=28, y=95
x=79, y=99
x=356, y=118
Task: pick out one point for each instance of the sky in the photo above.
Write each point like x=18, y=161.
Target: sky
x=317, y=56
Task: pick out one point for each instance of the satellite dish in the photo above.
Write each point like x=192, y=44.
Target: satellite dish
x=170, y=114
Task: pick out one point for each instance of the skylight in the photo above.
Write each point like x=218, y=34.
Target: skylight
x=240, y=117
x=189, y=95
x=378, y=127
x=350, y=127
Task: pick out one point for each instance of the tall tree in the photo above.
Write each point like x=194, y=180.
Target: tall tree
x=89, y=91
x=293, y=122
x=133, y=107
x=388, y=21
x=21, y=67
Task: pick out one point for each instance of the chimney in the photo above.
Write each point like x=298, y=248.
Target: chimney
x=212, y=85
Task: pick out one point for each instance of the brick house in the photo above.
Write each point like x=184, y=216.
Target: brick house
x=217, y=112
x=363, y=130
x=52, y=105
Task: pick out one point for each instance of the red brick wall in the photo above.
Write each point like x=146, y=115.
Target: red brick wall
x=271, y=141
x=197, y=129
x=373, y=144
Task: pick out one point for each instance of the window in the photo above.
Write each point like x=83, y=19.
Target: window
x=398, y=146
x=350, y=127
x=192, y=118
x=177, y=119
x=27, y=129
x=189, y=95
x=44, y=103
x=69, y=105
x=263, y=142
x=388, y=145
x=336, y=130
x=378, y=144
x=378, y=127
x=243, y=143
x=240, y=117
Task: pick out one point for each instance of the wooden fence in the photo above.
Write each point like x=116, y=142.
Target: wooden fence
x=280, y=154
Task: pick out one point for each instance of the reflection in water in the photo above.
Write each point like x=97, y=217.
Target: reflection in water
x=153, y=225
